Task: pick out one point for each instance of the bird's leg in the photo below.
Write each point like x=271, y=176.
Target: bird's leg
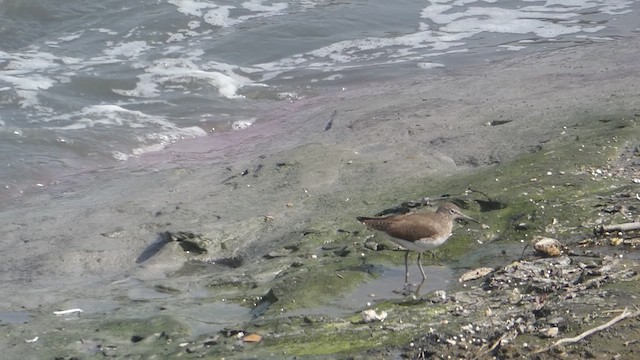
x=424, y=277
x=406, y=267
x=433, y=255
x=408, y=288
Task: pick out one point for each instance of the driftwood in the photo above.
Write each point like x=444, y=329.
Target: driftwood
x=617, y=227
x=493, y=347
x=625, y=314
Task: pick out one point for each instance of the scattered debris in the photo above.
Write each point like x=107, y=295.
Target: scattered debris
x=370, y=315
x=547, y=246
x=475, y=274
x=497, y=122
x=603, y=229
x=625, y=314
x=265, y=302
x=548, y=332
x=252, y=338
x=67, y=312
x=31, y=340
x=189, y=241
x=330, y=122
x=166, y=289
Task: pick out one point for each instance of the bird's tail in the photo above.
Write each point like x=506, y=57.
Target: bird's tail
x=374, y=222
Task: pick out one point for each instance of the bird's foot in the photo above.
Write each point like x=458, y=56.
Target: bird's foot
x=433, y=255
x=408, y=289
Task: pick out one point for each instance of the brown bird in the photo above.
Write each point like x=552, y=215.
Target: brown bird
x=418, y=232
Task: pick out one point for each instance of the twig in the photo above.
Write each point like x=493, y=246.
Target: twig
x=617, y=227
x=495, y=344
x=613, y=311
x=493, y=347
x=627, y=343
x=625, y=314
x=330, y=123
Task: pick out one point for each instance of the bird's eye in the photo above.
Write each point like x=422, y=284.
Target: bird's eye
x=452, y=211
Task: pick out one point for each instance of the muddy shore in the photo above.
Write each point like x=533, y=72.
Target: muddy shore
x=254, y=232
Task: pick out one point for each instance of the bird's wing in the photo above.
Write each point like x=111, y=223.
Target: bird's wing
x=412, y=227
x=378, y=223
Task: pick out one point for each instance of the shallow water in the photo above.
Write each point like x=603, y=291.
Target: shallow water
x=14, y=317
x=86, y=85
x=390, y=283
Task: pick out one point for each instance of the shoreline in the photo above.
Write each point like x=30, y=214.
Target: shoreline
x=383, y=145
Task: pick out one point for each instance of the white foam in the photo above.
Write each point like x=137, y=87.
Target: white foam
x=27, y=73
x=175, y=37
x=71, y=37
x=110, y=115
x=212, y=14
x=147, y=149
x=160, y=140
x=28, y=98
x=106, y=31
x=448, y=27
x=31, y=82
x=615, y=7
x=186, y=73
x=242, y=124
x=161, y=131
x=333, y=77
x=429, y=65
x=219, y=15
x=191, y=7
x=261, y=10
x=259, y=6
x=512, y=47
x=129, y=50
x=118, y=155
x=544, y=21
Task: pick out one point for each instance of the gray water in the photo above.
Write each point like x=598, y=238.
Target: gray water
x=88, y=85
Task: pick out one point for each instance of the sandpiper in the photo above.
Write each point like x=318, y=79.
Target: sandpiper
x=418, y=232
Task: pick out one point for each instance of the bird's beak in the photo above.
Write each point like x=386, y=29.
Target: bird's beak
x=463, y=216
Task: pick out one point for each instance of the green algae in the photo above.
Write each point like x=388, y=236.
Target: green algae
x=126, y=328
x=550, y=191
x=543, y=193
x=317, y=283
x=90, y=337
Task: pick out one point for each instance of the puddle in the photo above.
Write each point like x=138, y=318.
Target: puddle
x=187, y=304
x=14, y=317
x=391, y=281
x=144, y=293
x=91, y=306
x=211, y=318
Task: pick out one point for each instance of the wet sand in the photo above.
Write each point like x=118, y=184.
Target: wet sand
x=305, y=165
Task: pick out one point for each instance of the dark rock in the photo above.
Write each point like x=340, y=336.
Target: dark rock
x=342, y=252
x=263, y=305
x=136, y=338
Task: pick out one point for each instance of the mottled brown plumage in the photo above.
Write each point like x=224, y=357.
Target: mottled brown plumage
x=418, y=231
